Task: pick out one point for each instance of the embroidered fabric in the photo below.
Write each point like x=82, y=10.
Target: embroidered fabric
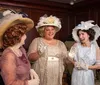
x=86, y=55
x=50, y=71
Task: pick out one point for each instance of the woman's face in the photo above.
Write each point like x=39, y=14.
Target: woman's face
x=23, y=38
x=49, y=32
x=83, y=36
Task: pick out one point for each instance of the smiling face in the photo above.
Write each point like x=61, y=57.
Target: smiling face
x=83, y=36
x=49, y=32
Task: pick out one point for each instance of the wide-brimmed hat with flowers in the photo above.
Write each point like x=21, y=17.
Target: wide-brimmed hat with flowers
x=86, y=26
x=49, y=21
x=9, y=19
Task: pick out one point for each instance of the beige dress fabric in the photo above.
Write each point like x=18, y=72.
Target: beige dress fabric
x=49, y=66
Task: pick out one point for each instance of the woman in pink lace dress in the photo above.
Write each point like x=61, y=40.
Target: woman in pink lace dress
x=15, y=67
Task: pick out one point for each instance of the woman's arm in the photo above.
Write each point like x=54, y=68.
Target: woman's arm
x=8, y=70
x=33, y=56
x=97, y=65
x=32, y=51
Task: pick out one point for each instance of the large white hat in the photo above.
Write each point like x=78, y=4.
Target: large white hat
x=86, y=26
x=49, y=21
x=11, y=19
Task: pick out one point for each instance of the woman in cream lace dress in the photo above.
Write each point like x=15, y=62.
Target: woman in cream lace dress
x=48, y=52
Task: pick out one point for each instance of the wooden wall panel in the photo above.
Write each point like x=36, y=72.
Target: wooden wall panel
x=36, y=11
x=70, y=16
x=92, y=12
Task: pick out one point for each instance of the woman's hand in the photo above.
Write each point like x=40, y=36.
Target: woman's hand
x=41, y=49
x=34, y=78
x=81, y=66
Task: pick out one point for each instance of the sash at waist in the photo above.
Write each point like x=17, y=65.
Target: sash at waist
x=53, y=59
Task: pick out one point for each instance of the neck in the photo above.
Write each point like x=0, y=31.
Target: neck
x=17, y=46
x=87, y=44
x=48, y=39
x=16, y=49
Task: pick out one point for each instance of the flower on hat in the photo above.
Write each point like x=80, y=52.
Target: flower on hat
x=49, y=21
x=85, y=25
x=6, y=12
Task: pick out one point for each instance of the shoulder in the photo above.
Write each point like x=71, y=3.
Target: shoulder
x=98, y=49
x=75, y=44
x=7, y=54
x=36, y=39
x=59, y=41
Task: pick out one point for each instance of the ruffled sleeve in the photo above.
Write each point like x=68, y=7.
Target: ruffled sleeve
x=73, y=51
x=8, y=70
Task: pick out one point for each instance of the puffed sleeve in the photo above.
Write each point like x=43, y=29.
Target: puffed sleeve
x=95, y=43
x=33, y=46
x=8, y=70
x=73, y=51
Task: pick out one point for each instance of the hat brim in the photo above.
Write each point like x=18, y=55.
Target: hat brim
x=58, y=28
x=96, y=28
x=5, y=24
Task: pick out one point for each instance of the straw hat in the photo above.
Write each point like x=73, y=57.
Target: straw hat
x=86, y=26
x=49, y=21
x=11, y=19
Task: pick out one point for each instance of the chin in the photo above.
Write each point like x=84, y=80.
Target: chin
x=82, y=41
x=23, y=44
x=50, y=38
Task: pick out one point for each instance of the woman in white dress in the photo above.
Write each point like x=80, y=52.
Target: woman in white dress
x=48, y=53
x=84, y=53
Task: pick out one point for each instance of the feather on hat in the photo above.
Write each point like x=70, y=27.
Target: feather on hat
x=85, y=26
x=49, y=21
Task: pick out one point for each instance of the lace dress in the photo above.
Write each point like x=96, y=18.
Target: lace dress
x=15, y=69
x=49, y=66
x=85, y=55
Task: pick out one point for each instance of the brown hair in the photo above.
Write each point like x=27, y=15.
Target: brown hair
x=13, y=35
x=90, y=32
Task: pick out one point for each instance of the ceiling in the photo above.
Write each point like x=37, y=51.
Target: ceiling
x=71, y=2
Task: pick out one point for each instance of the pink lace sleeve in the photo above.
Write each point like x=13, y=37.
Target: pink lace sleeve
x=8, y=70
